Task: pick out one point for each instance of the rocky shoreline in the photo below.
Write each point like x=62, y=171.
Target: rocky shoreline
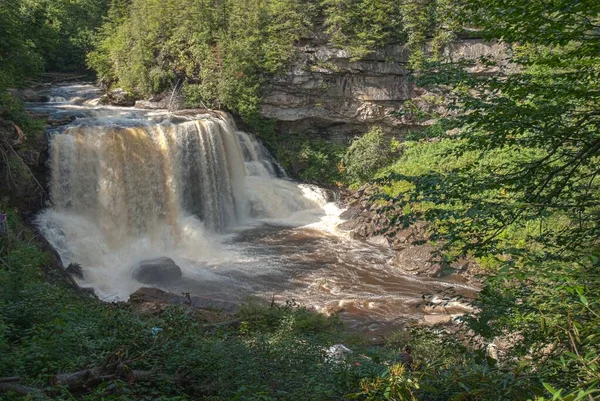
x=369, y=219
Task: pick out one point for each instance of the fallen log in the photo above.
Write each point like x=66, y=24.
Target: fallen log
x=88, y=378
x=228, y=324
x=73, y=379
x=20, y=389
x=10, y=379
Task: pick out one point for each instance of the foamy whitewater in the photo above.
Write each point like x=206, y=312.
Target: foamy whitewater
x=129, y=185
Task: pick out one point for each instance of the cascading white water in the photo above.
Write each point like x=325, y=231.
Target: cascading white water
x=130, y=184
x=133, y=180
x=130, y=189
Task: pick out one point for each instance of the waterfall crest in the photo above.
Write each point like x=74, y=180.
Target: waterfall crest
x=131, y=180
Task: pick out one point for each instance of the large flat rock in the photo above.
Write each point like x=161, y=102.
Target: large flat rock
x=158, y=297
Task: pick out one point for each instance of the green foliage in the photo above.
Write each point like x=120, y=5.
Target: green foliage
x=429, y=23
x=18, y=57
x=393, y=384
x=312, y=160
x=290, y=317
x=511, y=177
x=64, y=30
x=276, y=352
x=43, y=33
x=361, y=26
x=367, y=154
x=221, y=51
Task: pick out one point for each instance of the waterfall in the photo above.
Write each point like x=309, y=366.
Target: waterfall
x=132, y=180
x=128, y=186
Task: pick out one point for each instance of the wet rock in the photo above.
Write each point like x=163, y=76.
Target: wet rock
x=418, y=259
x=57, y=122
x=157, y=271
x=379, y=240
x=153, y=300
x=351, y=213
x=354, y=235
x=348, y=225
x=414, y=258
x=437, y=319
x=151, y=105
x=118, y=97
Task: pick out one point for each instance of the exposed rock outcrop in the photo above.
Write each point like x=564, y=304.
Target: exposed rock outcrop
x=326, y=92
x=22, y=164
x=379, y=223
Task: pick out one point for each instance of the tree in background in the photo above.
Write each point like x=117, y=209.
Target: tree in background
x=363, y=25
x=221, y=51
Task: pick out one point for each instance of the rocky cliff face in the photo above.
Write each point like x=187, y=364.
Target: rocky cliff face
x=326, y=93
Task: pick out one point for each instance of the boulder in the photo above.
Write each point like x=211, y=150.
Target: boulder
x=414, y=258
x=157, y=271
x=404, y=235
x=379, y=240
x=337, y=353
x=437, y=319
x=419, y=259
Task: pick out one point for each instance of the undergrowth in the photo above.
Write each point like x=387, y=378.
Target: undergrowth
x=276, y=352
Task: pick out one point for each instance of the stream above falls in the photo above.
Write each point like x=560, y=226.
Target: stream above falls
x=129, y=185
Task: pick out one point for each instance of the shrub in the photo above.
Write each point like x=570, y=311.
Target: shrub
x=367, y=154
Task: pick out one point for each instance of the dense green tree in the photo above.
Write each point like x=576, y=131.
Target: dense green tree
x=367, y=154
x=517, y=184
x=18, y=56
x=363, y=25
x=220, y=51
